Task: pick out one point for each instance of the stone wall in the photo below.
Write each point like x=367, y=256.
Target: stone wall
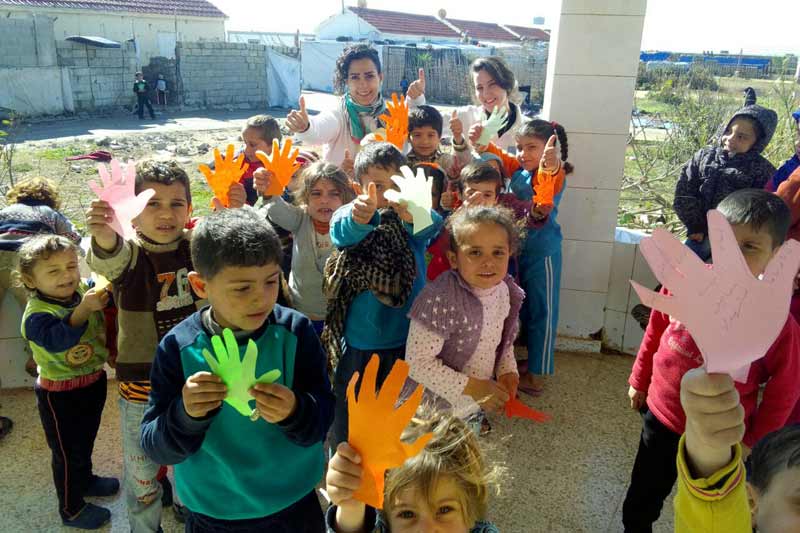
x=222, y=74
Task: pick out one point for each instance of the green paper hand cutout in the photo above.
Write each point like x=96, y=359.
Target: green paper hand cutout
x=492, y=125
x=238, y=375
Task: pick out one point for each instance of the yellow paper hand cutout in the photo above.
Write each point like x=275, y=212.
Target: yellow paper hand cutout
x=226, y=172
x=375, y=427
x=282, y=163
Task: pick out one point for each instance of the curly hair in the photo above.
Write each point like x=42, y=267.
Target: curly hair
x=322, y=170
x=350, y=54
x=164, y=172
x=38, y=248
x=472, y=216
x=35, y=191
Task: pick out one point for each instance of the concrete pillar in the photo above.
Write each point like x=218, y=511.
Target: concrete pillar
x=591, y=76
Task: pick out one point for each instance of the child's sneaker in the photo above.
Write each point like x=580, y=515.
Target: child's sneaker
x=102, y=486
x=91, y=517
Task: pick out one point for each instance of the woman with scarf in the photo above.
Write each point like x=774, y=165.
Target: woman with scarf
x=358, y=79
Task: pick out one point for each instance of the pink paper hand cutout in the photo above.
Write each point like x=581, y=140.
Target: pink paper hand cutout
x=118, y=190
x=733, y=316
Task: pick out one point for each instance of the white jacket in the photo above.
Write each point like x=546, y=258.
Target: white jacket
x=329, y=129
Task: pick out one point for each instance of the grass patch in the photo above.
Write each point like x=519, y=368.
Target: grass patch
x=22, y=167
x=59, y=154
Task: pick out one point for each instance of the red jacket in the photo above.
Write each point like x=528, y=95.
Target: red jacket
x=789, y=190
x=668, y=351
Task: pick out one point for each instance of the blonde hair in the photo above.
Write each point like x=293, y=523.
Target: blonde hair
x=311, y=174
x=453, y=452
x=35, y=191
x=39, y=248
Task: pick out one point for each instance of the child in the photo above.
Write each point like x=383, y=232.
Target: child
x=444, y=488
x=151, y=289
x=32, y=208
x=463, y=325
x=712, y=492
x=759, y=221
x=540, y=258
x=321, y=190
x=63, y=324
x=234, y=472
x=141, y=90
x=734, y=162
x=257, y=135
x=791, y=164
x=373, y=281
x=161, y=91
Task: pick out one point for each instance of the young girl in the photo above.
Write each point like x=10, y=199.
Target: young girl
x=540, y=258
x=321, y=190
x=444, y=488
x=464, y=323
x=63, y=323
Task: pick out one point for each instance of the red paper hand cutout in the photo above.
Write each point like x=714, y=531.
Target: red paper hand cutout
x=545, y=189
x=396, y=122
x=119, y=190
x=226, y=172
x=515, y=408
x=375, y=427
x=282, y=163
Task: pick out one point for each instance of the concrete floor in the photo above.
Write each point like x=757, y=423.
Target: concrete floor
x=568, y=475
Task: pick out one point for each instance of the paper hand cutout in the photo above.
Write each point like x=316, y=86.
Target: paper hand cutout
x=492, y=125
x=282, y=163
x=733, y=316
x=515, y=408
x=545, y=189
x=118, y=190
x=238, y=375
x=415, y=194
x=396, y=122
x=375, y=427
x=226, y=172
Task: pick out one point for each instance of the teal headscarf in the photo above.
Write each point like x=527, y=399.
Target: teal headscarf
x=355, y=110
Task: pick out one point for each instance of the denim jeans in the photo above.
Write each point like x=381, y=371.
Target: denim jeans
x=142, y=489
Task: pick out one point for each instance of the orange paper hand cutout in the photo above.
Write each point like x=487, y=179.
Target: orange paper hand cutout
x=396, y=122
x=282, y=163
x=515, y=408
x=226, y=172
x=545, y=189
x=375, y=427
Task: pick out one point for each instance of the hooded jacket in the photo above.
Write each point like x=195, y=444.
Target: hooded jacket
x=713, y=173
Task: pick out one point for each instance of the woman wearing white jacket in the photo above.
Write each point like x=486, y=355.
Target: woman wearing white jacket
x=358, y=78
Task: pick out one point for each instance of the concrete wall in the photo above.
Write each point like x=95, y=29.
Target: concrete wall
x=222, y=74
x=35, y=90
x=27, y=42
x=156, y=34
x=99, y=77
x=591, y=75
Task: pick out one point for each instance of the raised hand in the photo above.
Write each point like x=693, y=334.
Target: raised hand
x=733, y=316
x=475, y=133
x=365, y=204
x=226, y=172
x=238, y=375
x=396, y=122
x=492, y=125
x=348, y=164
x=544, y=191
x=414, y=195
x=417, y=87
x=375, y=427
x=282, y=163
x=456, y=128
x=549, y=162
x=118, y=191
x=298, y=121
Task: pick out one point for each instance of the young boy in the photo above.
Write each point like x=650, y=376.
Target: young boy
x=425, y=135
x=141, y=90
x=234, y=472
x=759, y=221
x=376, y=274
x=712, y=492
x=151, y=290
x=734, y=162
x=791, y=164
x=258, y=133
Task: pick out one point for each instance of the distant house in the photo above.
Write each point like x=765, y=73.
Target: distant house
x=156, y=25
x=357, y=23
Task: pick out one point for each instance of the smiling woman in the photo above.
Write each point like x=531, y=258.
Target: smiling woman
x=358, y=78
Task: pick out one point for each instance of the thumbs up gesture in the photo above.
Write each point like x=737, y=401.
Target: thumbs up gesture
x=550, y=162
x=348, y=164
x=457, y=128
x=417, y=87
x=365, y=205
x=297, y=121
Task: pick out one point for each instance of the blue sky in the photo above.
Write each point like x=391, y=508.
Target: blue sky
x=766, y=26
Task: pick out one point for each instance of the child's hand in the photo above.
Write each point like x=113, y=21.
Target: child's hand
x=475, y=132
x=509, y=382
x=237, y=196
x=98, y=218
x=417, y=87
x=541, y=212
x=638, y=398
x=697, y=237
x=457, y=128
x=402, y=211
x=202, y=393
x=348, y=164
x=477, y=199
x=342, y=480
x=550, y=161
x=714, y=419
x=274, y=402
x=489, y=394
x=365, y=205
x=448, y=200
x=95, y=299
x=262, y=179
x=297, y=121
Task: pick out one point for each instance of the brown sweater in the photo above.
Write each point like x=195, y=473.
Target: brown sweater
x=152, y=294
